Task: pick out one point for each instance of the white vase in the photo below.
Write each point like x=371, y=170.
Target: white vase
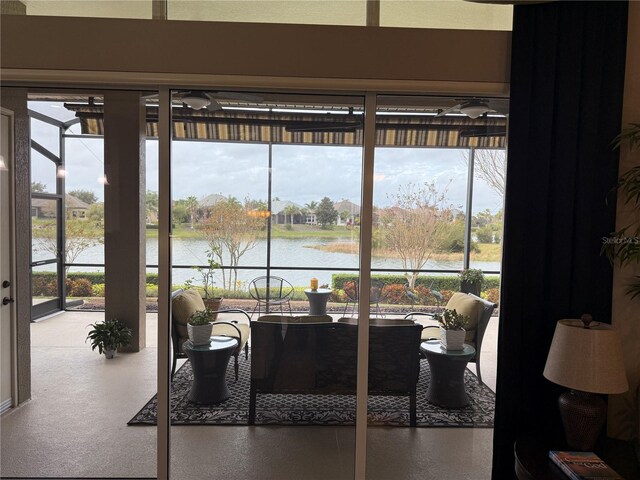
x=109, y=353
x=452, y=339
x=199, y=334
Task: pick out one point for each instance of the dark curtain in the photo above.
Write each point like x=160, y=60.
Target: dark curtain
x=567, y=76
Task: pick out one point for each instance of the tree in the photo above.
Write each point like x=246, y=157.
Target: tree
x=413, y=226
x=231, y=232
x=87, y=196
x=38, y=187
x=80, y=235
x=191, y=204
x=151, y=206
x=490, y=166
x=96, y=214
x=290, y=210
x=326, y=214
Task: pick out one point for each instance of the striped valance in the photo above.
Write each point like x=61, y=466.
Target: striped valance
x=271, y=127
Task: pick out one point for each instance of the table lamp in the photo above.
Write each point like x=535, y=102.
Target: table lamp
x=586, y=357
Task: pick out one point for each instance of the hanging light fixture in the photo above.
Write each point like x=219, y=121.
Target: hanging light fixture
x=196, y=100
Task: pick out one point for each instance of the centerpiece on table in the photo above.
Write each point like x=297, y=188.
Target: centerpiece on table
x=199, y=327
x=452, y=329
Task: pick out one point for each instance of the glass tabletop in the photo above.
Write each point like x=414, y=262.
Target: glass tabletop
x=434, y=346
x=217, y=342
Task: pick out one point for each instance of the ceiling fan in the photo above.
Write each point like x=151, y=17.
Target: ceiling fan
x=333, y=123
x=475, y=107
x=199, y=99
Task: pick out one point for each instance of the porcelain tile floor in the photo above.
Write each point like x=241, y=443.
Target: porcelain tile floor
x=75, y=426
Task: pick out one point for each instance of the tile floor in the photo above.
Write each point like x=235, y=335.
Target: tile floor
x=75, y=426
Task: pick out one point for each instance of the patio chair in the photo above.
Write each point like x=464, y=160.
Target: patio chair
x=352, y=290
x=185, y=303
x=479, y=312
x=269, y=291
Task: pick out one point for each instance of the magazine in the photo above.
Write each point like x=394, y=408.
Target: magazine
x=583, y=465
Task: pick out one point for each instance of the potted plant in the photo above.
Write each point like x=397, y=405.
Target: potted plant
x=471, y=280
x=208, y=280
x=199, y=327
x=452, y=330
x=108, y=336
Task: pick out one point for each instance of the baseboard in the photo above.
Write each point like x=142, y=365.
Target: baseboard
x=6, y=405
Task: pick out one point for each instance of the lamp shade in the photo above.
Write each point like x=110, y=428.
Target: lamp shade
x=586, y=359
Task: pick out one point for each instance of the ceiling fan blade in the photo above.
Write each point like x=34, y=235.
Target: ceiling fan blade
x=449, y=110
x=247, y=97
x=214, y=106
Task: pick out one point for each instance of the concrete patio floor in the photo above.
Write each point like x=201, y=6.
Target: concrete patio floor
x=75, y=426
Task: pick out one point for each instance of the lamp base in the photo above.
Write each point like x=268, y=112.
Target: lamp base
x=583, y=415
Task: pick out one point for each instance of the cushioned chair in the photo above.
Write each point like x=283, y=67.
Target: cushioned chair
x=185, y=303
x=478, y=311
x=270, y=291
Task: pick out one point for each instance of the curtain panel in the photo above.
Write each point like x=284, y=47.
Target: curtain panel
x=567, y=78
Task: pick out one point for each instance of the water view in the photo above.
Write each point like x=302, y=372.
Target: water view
x=285, y=253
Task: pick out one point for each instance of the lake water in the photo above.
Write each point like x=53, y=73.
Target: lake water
x=285, y=253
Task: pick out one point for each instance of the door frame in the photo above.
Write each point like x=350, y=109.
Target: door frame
x=10, y=164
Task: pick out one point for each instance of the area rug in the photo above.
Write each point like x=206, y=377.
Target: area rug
x=318, y=409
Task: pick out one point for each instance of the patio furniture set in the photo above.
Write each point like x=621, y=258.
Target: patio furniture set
x=315, y=354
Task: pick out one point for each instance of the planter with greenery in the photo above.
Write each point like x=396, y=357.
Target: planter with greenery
x=471, y=281
x=623, y=246
x=208, y=281
x=108, y=336
x=200, y=327
x=452, y=330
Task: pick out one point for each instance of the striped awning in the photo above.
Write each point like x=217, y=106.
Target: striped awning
x=273, y=127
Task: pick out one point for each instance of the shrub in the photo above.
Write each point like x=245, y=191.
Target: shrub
x=492, y=295
x=152, y=290
x=394, y=294
x=98, y=290
x=43, y=286
x=433, y=282
x=80, y=288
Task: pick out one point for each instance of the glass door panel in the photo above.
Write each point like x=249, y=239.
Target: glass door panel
x=268, y=189
x=46, y=255
x=422, y=205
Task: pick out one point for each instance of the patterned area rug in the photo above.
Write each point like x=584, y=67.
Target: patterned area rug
x=318, y=409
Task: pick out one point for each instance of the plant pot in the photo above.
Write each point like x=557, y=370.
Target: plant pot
x=213, y=304
x=468, y=287
x=452, y=339
x=109, y=353
x=199, y=334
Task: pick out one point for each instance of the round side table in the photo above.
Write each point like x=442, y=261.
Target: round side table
x=318, y=300
x=446, y=387
x=209, y=365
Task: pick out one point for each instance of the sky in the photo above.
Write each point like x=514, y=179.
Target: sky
x=300, y=174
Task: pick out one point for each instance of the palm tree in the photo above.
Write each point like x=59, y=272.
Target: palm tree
x=291, y=210
x=191, y=203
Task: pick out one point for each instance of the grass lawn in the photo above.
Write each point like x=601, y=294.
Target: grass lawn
x=277, y=231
